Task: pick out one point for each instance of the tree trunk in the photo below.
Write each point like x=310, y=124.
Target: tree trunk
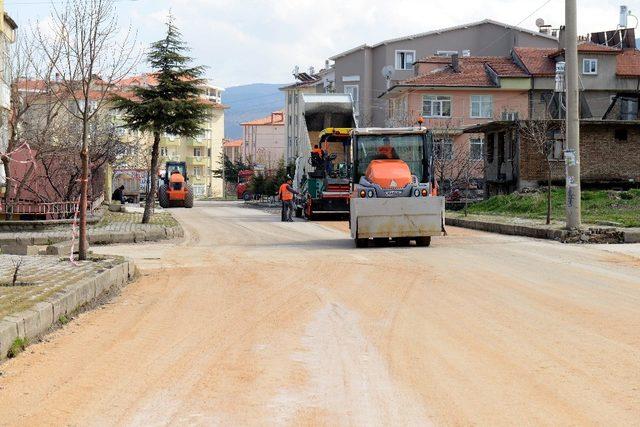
x=548, y=193
x=153, y=176
x=84, y=187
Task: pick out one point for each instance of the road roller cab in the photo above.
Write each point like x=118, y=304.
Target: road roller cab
x=394, y=193
x=175, y=190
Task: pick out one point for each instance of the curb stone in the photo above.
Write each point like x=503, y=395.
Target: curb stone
x=36, y=321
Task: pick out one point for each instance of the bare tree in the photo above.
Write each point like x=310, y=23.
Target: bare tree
x=541, y=134
x=26, y=95
x=90, y=55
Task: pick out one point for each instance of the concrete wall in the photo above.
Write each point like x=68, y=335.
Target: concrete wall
x=481, y=40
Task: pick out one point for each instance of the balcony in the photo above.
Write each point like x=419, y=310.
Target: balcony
x=173, y=141
x=197, y=142
x=198, y=160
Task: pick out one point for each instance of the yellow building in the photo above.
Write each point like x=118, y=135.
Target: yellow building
x=202, y=154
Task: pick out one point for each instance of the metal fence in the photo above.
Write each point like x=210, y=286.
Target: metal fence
x=50, y=210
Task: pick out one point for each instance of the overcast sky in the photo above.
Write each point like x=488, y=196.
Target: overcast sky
x=260, y=41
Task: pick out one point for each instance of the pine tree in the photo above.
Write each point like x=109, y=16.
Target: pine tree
x=172, y=106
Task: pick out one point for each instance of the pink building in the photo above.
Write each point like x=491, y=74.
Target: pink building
x=453, y=93
x=264, y=141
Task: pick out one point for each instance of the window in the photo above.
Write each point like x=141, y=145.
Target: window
x=197, y=171
x=436, y=106
x=621, y=134
x=482, y=106
x=208, y=152
x=476, y=148
x=443, y=149
x=405, y=59
x=353, y=91
x=510, y=116
x=555, y=149
x=197, y=152
x=164, y=152
x=589, y=66
x=289, y=96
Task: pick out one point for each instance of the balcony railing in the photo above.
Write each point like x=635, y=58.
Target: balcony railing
x=198, y=160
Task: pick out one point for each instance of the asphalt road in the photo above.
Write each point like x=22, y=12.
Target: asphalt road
x=249, y=321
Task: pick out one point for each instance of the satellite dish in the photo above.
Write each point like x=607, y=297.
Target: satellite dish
x=387, y=71
x=539, y=22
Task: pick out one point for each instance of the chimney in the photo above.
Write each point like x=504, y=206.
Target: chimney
x=562, y=38
x=455, y=62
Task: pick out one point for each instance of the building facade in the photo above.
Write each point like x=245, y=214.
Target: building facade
x=609, y=154
x=7, y=37
x=451, y=94
x=608, y=81
x=367, y=71
x=264, y=144
x=233, y=149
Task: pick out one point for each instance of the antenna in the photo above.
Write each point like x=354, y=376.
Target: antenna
x=539, y=22
x=387, y=72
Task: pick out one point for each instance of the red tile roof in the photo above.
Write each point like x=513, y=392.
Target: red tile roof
x=473, y=72
x=274, y=119
x=233, y=143
x=536, y=60
x=590, y=47
x=628, y=63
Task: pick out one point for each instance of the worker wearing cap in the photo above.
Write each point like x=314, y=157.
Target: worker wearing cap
x=285, y=193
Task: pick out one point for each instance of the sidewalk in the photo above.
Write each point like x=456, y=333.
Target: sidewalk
x=537, y=229
x=48, y=289
x=112, y=228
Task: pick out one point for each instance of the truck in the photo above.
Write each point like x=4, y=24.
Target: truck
x=324, y=180
x=136, y=183
x=242, y=189
x=394, y=190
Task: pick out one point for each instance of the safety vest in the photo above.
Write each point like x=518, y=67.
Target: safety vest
x=285, y=194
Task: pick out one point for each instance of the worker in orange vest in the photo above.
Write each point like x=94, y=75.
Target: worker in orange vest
x=285, y=193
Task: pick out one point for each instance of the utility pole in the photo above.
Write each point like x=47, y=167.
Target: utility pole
x=572, y=151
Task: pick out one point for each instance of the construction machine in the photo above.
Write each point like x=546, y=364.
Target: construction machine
x=175, y=189
x=322, y=175
x=394, y=194
x=325, y=189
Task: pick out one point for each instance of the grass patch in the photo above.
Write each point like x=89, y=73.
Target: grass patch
x=622, y=207
x=17, y=347
x=63, y=320
x=158, y=218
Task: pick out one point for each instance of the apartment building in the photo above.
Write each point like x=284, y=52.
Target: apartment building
x=233, y=149
x=367, y=71
x=7, y=37
x=264, y=144
x=202, y=154
x=609, y=79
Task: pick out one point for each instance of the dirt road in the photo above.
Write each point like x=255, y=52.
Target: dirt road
x=250, y=321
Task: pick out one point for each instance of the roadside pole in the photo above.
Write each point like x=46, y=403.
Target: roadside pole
x=572, y=151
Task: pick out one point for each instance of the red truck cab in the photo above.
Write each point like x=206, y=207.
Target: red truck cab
x=242, y=189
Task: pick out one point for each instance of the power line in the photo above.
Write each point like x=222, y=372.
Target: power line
x=26, y=3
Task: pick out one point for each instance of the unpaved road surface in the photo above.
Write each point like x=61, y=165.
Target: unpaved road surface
x=250, y=321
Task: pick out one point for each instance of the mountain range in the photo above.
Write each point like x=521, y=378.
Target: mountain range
x=249, y=102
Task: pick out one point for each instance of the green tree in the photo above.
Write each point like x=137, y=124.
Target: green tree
x=258, y=183
x=171, y=106
x=231, y=169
